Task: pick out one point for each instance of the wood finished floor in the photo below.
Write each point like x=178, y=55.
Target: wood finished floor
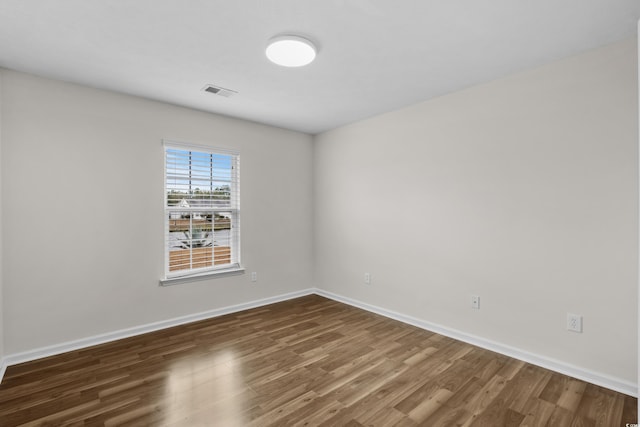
x=308, y=361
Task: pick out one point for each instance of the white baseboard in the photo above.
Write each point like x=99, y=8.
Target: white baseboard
x=603, y=380
x=596, y=378
x=3, y=367
x=27, y=356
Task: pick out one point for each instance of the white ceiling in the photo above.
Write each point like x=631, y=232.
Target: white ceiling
x=374, y=55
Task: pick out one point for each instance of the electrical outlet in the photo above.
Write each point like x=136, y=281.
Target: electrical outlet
x=254, y=276
x=475, y=302
x=367, y=278
x=574, y=322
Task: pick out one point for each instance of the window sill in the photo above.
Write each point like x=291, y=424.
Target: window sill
x=202, y=276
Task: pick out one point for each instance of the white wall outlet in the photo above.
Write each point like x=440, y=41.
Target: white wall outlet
x=254, y=276
x=475, y=302
x=367, y=278
x=574, y=322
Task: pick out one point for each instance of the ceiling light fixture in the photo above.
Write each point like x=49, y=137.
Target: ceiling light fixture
x=291, y=51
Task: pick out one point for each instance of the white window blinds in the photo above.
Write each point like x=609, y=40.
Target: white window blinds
x=202, y=210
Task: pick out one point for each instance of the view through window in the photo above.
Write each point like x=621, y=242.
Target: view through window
x=202, y=218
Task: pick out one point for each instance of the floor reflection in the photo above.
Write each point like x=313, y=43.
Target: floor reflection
x=207, y=390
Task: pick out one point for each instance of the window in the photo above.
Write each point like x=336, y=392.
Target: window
x=202, y=210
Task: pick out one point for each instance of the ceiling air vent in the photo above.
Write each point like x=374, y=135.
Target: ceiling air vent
x=216, y=90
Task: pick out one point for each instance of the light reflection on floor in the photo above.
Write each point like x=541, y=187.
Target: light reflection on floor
x=206, y=391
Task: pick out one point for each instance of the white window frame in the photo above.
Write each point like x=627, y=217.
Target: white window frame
x=191, y=274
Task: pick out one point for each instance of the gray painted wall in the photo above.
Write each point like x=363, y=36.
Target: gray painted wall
x=82, y=173
x=523, y=191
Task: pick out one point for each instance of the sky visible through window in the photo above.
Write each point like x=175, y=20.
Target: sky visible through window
x=192, y=174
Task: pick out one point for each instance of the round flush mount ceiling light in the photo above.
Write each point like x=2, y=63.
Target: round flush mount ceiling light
x=291, y=51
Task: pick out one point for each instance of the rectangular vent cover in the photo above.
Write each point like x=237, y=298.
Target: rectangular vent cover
x=220, y=91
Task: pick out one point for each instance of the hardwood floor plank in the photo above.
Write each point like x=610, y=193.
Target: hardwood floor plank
x=572, y=394
x=412, y=401
x=446, y=416
x=629, y=409
x=528, y=383
x=347, y=373
x=561, y=417
x=466, y=393
x=430, y=405
x=385, y=416
x=537, y=413
x=309, y=361
x=369, y=382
